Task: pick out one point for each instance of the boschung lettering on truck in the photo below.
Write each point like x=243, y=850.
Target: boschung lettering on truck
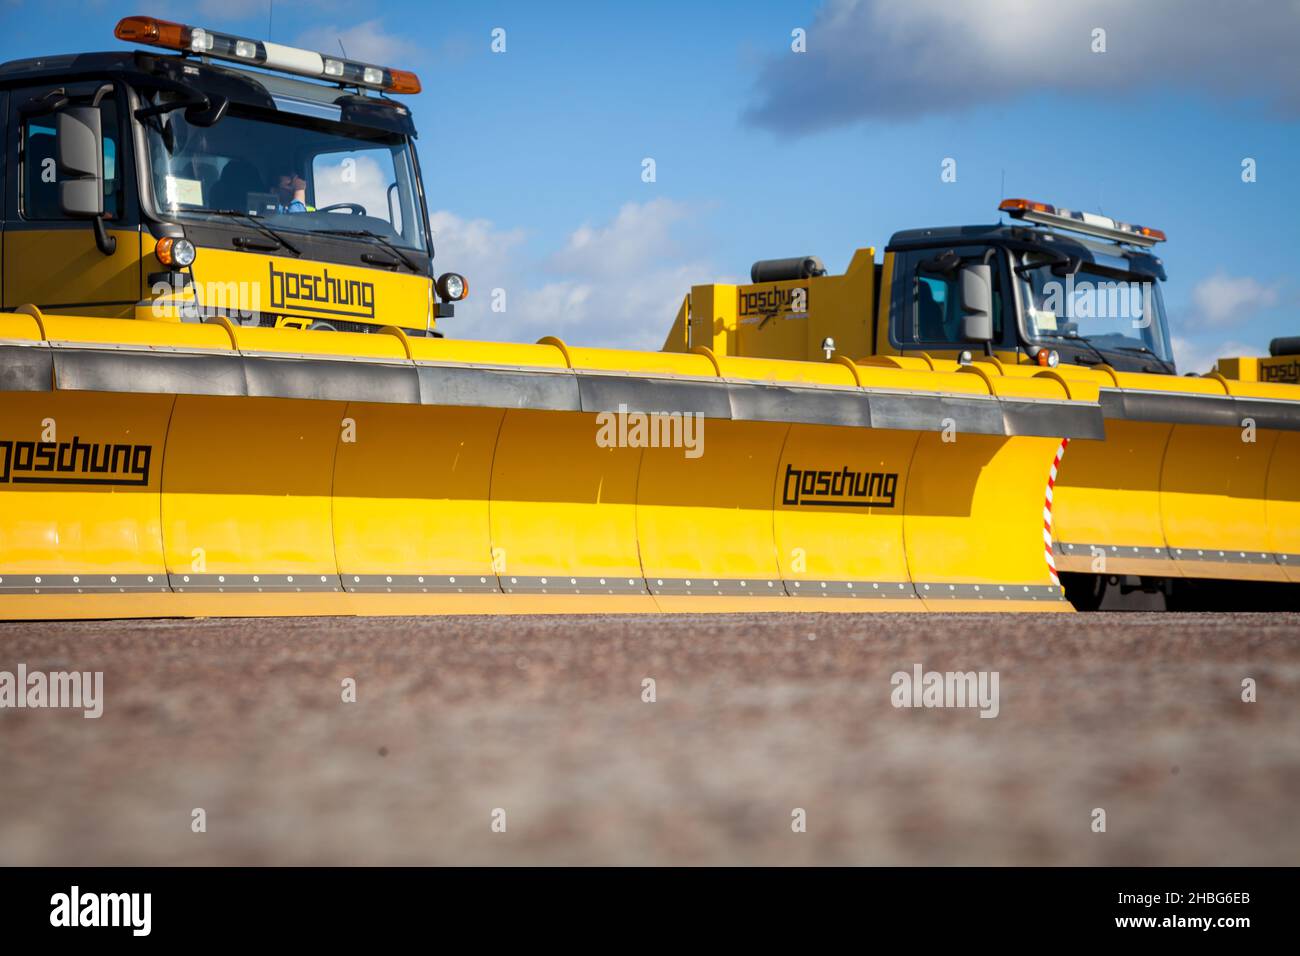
x=312, y=293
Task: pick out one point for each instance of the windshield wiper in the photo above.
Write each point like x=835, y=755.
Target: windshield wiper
x=255, y=222
x=1167, y=366
x=367, y=234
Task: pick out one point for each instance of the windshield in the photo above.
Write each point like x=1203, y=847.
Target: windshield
x=1112, y=310
x=296, y=174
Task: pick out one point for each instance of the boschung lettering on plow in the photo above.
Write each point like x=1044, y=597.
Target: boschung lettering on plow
x=839, y=489
x=74, y=463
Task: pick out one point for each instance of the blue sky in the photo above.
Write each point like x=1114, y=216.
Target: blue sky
x=533, y=157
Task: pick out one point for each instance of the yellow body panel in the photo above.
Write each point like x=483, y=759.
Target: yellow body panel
x=410, y=492
x=641, y=363
x=783, y=320
x=1169, y=383
x=1180, y=500
x=52, y=526
x=779, y=370
x=1213, y=490
x=561, y=504
x=319, y=343
x=247, y=487
x=1274, y=369
x=1282, y=511
x=828, y=549
x=1273, y=391
x=63, y=271
x=917, y=362
x=1108, y=495
x=19, y=327
x=277, y=604
x=913, y=377
x=18, y=607
x=226, y=279
x=711, y=517
x=969, y=504
x=96, y=331
x=458, y=352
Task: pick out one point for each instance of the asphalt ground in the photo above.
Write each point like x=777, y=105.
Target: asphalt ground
x=754, y=717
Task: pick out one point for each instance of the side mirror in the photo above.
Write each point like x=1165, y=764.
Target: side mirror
x=977, y=302
x=80, y=161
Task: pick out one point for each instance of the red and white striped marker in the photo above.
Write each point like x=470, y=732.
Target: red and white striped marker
x=1047, y=511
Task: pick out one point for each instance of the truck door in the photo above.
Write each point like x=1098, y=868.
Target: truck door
x=925, y=303
x=50, y=260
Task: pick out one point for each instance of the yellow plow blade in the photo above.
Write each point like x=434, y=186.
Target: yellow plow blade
x=1197, y=478
x=215, y=470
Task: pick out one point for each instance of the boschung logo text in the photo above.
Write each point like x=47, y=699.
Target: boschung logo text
x=844, y=488
x=73, y=463
x=305, y=292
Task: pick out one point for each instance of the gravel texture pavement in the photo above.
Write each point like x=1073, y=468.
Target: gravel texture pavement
x=1140, y=715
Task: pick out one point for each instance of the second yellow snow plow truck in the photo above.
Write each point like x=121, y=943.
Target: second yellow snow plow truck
x=223, y=392
x=1195, y=491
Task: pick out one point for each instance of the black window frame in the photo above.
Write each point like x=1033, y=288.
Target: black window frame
x=902, y=305
x=124, y=212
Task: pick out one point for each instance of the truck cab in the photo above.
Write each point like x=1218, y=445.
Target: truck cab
x=1080, y=286
x=1051, y=286
x=216, y=177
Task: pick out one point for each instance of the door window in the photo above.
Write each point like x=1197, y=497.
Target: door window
x=933, y=315
x=40, y=175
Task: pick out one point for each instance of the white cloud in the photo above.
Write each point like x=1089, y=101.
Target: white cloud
x=367, y=41
x=1221, y=300
x=884, y=58
x=1217, y=322
x=638, y=233
x=357, y=177
x=617, y=284
x=487, y=256
x=1200, y=355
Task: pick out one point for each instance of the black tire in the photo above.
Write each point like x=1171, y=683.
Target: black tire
x=1084, y=591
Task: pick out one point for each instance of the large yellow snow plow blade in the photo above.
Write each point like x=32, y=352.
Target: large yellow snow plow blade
x=1197, y=479
x=218, y=470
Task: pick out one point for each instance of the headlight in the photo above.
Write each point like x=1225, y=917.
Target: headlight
x=452, y=287
x=175, y=253
x=183, y=252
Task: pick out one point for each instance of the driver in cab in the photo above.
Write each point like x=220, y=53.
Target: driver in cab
x=292, y=192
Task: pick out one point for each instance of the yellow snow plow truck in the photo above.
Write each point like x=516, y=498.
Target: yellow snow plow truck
x=223, y=391
x=1195, y=492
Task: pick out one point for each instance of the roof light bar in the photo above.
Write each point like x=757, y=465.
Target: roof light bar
x=263, y=53
x=1083, y=222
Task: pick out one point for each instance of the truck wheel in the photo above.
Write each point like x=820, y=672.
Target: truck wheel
x=1084, y=591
